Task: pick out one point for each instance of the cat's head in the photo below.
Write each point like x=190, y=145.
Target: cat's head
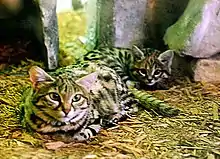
x=61, y=98
x=153, y=68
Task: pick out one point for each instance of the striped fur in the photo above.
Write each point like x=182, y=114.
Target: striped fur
x=76, y=103
x=143, y=67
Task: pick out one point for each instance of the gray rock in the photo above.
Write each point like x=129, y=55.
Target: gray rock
x=123, y=23
x=197, y=32
x=208, y=70
x=128, y=21
x=50, y=28
x=116, y=23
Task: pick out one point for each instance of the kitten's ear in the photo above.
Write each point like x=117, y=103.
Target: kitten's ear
x=137, y=51
x=166, y=58
x=88, y=80
x=37, y=75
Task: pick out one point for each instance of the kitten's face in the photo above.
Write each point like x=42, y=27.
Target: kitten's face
x=61, y=98
x=152, y=69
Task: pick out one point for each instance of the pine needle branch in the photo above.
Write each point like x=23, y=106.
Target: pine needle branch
x=152, y=103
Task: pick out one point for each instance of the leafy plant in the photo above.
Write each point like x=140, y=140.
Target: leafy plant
x=152, y=103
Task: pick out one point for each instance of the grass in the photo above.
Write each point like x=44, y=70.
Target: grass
x=195, y=133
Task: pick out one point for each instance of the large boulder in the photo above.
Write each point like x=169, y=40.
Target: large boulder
x=50, y=32
x=115, y=23
x=197, y=32
x=123, y=23
x=207, y=70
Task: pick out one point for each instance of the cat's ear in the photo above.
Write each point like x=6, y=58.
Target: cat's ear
x=166, y=58
x=137, y=51
x=88, y=80
x=38, y=75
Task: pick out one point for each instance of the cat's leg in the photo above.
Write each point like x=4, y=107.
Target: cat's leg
x=128, y=108
x=87, y=133
x=124, y=114
x=91, y=129
x=111, y=121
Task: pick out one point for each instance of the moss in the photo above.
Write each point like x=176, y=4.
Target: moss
x=179, y=34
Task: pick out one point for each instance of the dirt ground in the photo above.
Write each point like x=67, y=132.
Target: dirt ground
x=193, y=134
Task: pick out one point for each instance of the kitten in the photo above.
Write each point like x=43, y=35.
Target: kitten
x=154, y=68
x=146, y=67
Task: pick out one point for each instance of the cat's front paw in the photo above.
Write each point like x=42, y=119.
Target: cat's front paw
x=106, y=123
x=87, y=133
x=83, y=136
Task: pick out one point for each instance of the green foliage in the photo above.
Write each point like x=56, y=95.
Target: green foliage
x=25, y=105
x=77, y=4
x=151, y=103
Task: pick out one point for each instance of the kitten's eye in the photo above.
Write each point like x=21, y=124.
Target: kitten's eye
x=142, y=72
x=163, y=61
x=77, y=97
x=54, y=96
x=157, y=72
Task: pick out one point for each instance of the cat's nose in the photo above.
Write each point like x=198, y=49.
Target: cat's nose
x=66, y=111
x=150, y=79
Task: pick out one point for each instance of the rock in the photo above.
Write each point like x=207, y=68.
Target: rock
x=200, y=70
x=123, y=23
x=207, y=70
x=50, y=30
x=128, y=22
x=54, y=145
x=116, y=23
x=197, y=32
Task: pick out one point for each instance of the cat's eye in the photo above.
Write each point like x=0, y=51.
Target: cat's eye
x=54, y=96
x=157, y=72
x=142, y=72
x=163, y=60
x=77, y=97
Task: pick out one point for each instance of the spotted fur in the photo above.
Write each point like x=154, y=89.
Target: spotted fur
x=145, y=67
x=76, y=104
